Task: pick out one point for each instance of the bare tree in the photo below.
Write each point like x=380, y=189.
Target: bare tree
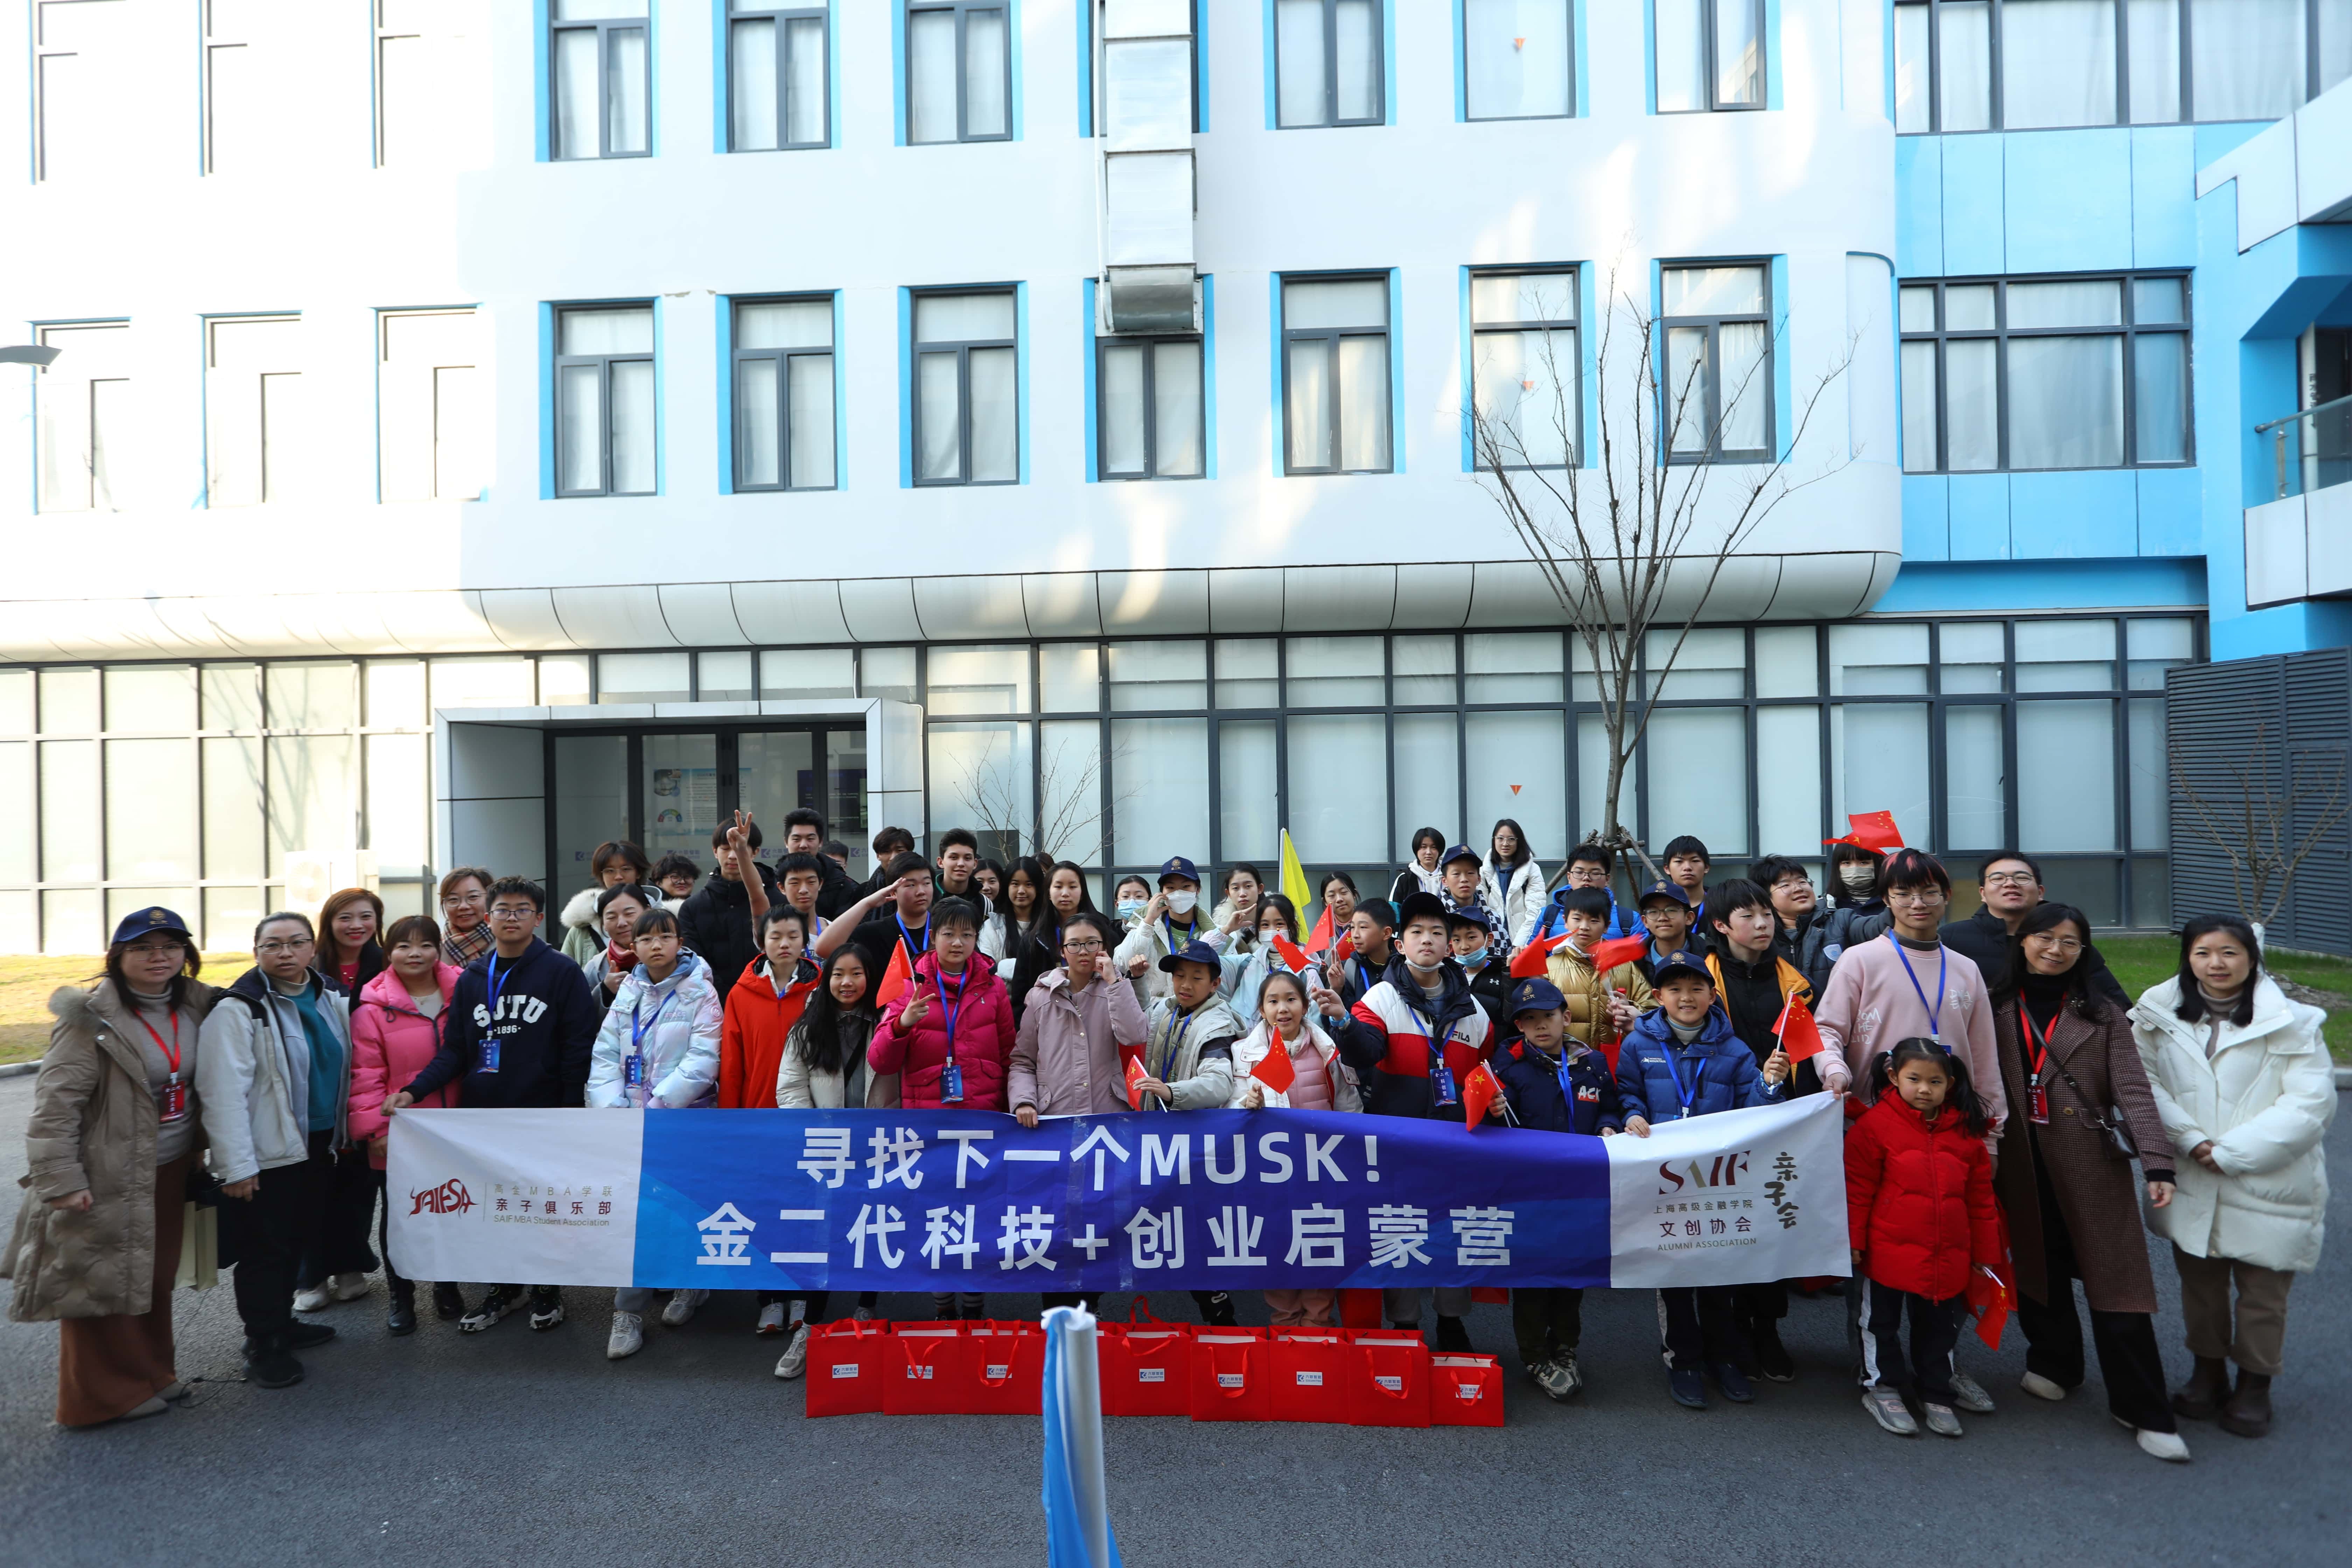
x=1627, y=546
x=1068, y=807
x=2263, y=833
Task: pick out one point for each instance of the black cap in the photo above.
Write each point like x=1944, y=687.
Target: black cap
x=1420, y=907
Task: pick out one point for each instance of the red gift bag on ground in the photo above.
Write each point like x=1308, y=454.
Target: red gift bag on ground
x=844, y=1367
x=1388, y=1379
x=1230, y=1375
x=1311, y=1375
x=1008, y=1368
x=927, y=1371
x=1465, y=1391
x=1147, y=1366
x=1359, y=1308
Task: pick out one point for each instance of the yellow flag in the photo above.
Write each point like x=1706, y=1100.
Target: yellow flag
x=1293, y=876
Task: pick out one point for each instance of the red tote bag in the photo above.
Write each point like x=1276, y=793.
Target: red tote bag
x=1230, y=1380
x=844, y=1367
x=928, y=1371
x=1465, y=1391
x=1311, y=1375
x=1387, y=1380
x=1008, y=1369
x=1146, y=1367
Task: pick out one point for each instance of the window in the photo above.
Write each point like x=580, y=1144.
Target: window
x=2061, y=372
x=256, y=440
x=1327, y=63
x=604, y=400
x=967, y=423
x=1718, y=387
x=2023, y=65
x=247, y=84
x=958, y=73
x=784, y=394
x=1335, y=375
x=1518, y=59
x=599, y=68
x=77, y=55
x=1524, y=369
x=83, y=401
x=427, y=88
x=431, y=424
x=1150, y=408
x=776, y=78
x=1710, y=55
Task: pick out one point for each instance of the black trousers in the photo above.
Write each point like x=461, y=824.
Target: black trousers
x=337, y=1241
x=1216, y=1308
x=1546, y=1322
x=1934, y=1330
x=391, y=1277
x=1697, y=1324
x=270, y=1228
x=2130, y=1364
x=969, y=1306
x=817, y=1302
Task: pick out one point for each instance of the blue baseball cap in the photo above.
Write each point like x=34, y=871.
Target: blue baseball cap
x=1178, y=865
x=1459, y=852
x=1681, y=963
x=1535, y=996
x=147, y=922
x=1664, y=890
x=1191, y=952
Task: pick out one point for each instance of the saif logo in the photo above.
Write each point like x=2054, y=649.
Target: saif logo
x=1723, y=1171
x=450, y=1197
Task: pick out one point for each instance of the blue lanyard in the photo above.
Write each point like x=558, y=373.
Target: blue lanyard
x=909, y=937
x=949, y=1009
x=1428, y=1022
x=1191, y=929
x=637, y=1031
x=496, y=984
x=1176, y=1044
x=1943, y=968
x=1567, y=1085
x=1697, y=1078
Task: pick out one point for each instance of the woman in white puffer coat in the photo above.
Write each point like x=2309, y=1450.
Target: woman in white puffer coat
x=2246, y=1090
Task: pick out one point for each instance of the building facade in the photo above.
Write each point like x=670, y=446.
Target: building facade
x=477, y=432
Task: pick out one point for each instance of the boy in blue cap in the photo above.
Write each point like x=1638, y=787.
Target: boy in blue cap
x=1554, y=1083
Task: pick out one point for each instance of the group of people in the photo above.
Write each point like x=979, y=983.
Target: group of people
x=2000, y=1085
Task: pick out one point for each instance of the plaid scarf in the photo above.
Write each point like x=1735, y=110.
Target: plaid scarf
x=464, y=947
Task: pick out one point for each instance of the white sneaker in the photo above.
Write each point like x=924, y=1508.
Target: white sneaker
x=312, y=1299
x=680, y=1310
x=1971, y=1394
x=1887, y=1408
x=771, y=1319
x=348, y=1287
x=628, y=1336
x=2041, y=1387
x=794, y=1361
x=2165, y=1446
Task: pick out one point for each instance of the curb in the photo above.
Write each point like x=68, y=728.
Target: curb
x=18, y=1070
x=2344, y=1078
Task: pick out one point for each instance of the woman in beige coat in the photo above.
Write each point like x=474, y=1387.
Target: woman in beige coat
x=112, y=1135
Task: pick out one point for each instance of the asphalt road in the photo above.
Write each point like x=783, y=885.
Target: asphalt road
x=522, y=1447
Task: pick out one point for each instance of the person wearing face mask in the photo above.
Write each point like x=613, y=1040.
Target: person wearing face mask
x=1128, y=899
x=1489, y=973
x=1857, y=908
x=1171, y=922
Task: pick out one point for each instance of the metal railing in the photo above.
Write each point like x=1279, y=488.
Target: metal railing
x=2311, y=451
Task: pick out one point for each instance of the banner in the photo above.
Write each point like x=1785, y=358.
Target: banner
x=943, y=1200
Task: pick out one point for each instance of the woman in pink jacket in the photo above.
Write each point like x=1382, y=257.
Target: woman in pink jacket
x=396, y=1027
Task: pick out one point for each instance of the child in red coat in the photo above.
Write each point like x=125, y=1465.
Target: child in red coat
x=1919, y=1206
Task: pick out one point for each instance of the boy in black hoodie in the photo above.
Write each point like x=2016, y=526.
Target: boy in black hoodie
x=522, y=1026
x=716, y=920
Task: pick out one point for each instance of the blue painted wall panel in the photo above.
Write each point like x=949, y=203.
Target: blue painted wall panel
x=2067, y=199
x=1972, y=205
x=2078, y=514
x=2164, y=195
x=1918, y=206
x=2171, y=511
x=1979, y=517
x=1926, y=518
x=1936, y=588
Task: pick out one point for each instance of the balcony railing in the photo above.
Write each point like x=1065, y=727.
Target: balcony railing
x=2311, y=451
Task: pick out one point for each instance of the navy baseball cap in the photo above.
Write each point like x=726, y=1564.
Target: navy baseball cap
x=1683, y=963
x=1535, y=996
x=1420, y=907
x=1664, y=890
x=1191, y=952
x=1466, y=915
x=1178, y=867
x=147, y=922
x=1459, y=852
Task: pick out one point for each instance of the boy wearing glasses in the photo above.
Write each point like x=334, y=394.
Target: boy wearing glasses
x=2013, y=887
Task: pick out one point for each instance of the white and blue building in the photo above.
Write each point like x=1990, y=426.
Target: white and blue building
x=479, y=431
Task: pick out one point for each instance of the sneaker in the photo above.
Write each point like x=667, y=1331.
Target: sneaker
x=864, y=1314
x=400, y=1318
x=1688, y=1388
x=2165, y=1445
x=312, y=1297
x=1940, y=1419
x=546, y=1307
x=271, y=1365
x=1453, y=1337
x=680, y=1310
x=1772, y=1357
x=174, y=1390
x=302, y=1336
x=628, y=1336
x=771, y=1319
x=794, y=1361
x=1969, y=1395
x=154, y=1406
x=1734, y=1383
x=1557, y=1379
x=1887, y=1408
x=2041, y=1387
x=448, y=1304
x=502, y=1299
x=348, y=1287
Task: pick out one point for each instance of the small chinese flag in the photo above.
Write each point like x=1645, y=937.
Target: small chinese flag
x=1800, y=1036
x=1479, y=1092
x=1991, y=1299
x=1319, y=939
x=1528, y=963
x=1291, y=954
x=1273, y=1069
x=1135, y=1074
x=1346, y=950
x=1871, y=830
x=1617, y=951
x=897, y=977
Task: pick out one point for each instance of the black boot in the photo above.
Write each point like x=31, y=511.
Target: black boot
x=1216, y=1308
x=448, y=1305
x=2248, y=1412
x=269, y=1363
x=2200, y=1397
x=402, y=1318
x=1453, y=1335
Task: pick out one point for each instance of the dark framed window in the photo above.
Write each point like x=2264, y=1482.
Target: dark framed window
x=958, y=72
x=967, y=414
x=1519, y=59
x=784, y=394
x=2026, y=65
x=1330, y=63
x=2045, y=373
x=1335, y=375
x=778, y=84
x=1718, y=388
x=600, y=79
x=1149, y=409
x=605, y=415
x=1710, y=55
x=1527, y=373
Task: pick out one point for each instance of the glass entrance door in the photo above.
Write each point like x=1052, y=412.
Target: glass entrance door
x=679, y=804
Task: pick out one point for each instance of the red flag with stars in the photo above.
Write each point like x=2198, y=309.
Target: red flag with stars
x=1479, y=1092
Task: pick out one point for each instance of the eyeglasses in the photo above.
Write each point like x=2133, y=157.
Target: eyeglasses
x=1082, y=947
x=2057, y=943
x=509, y=912
x=1918, y=896
x=1793, y=883
x=272, y=947
x=2012, y=879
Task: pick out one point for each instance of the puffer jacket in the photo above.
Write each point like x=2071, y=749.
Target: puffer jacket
x=391, y=1043
x=1192, y=1053
x=1056, y=1066
x=1532, y=1084
x=1622, y=922
x=758, y=1019
x=1918, y=1200
x=1587, y=993
x=1251, y=1049
x=1718, y=1072
x=983, y=1046
x=92, y=1128
x=1386, y=1041
x=1520, y=902
x=2264, y=1101
x=253, y=1077
x=800, y=1086
x=680, y=1016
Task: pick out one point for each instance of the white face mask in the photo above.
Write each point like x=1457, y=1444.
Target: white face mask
x=1858, y=877
x=1182, y=903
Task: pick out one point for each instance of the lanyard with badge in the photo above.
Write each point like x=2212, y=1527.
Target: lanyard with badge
x=1698, y=1076
x=633, y=1066
x=1175, y=1049
x=489, y=1062
x=914, y=953
x=1943, y=969
x=2039, y=1094
x=950, y=1072
x=1441, y=1077
x=171, y=1104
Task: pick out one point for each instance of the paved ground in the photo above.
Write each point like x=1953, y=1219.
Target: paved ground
x=530, y=1447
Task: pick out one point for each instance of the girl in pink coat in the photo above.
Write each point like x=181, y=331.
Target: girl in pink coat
x=951, y=982
x=396, y=1027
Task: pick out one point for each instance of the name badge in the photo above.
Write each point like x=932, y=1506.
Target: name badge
x=1443, y=1079
x=489, y=1055
x=171, y=1105
x=950, y=1084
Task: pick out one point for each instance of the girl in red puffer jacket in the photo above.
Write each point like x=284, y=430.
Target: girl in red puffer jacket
x=1919, y=1205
